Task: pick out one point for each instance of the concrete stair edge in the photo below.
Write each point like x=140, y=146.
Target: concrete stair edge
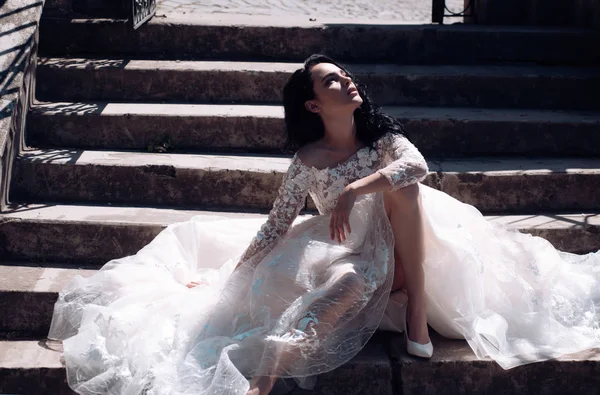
x=239, y=37
x=35, y=366
x=92, y=235
x=71, y=79
x=118, y=109
x=251, y=181
x=437, y=131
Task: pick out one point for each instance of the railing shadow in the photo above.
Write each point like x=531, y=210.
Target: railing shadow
x=18, y=62
x=63, y=156
x=70, y=108
x=18, y=29
x=7, y=110
x=545, y=220
x=18, y=10
x=24, y=207
x=8, y=75
x=16, y=95
x=88, y=64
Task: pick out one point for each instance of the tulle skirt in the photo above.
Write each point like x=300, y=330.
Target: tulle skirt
x=311, y=304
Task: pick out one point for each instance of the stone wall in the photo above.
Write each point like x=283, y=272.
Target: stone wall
x=581, y=13
x=19, y=21
x=92, y=8
x=587, y=13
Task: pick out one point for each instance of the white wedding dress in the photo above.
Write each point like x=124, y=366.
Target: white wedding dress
x=134, y=328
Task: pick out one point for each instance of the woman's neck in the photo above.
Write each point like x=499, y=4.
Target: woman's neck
x=340, y=132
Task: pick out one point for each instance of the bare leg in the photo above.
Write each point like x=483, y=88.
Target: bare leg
x=328, y=309
x=261, y=385
x=399, y=280
x=404, y=211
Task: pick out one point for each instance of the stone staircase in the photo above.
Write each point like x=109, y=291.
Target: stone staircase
x=136, y=130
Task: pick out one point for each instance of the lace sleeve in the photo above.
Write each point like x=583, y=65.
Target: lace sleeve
x=404, y=164
x=287, y=205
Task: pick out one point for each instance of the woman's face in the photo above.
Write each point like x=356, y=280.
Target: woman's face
x=335, y=93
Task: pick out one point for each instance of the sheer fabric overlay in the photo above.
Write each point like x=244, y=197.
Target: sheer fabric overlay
x=301, y=304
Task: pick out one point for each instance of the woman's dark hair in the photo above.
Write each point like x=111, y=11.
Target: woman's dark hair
x=303, y=126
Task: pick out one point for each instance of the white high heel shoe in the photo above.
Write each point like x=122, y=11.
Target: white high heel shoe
x=414, y=348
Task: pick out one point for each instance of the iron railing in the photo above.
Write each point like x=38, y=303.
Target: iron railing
x=440, y=10
x=142, y=11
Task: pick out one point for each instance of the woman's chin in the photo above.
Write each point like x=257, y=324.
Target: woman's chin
x=356, y=101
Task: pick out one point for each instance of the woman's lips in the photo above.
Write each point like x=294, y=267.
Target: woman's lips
x=352, y=91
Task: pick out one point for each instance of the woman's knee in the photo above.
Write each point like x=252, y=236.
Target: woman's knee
x=403, y=199
x=353, y=284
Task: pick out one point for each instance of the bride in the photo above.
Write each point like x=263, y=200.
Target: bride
x=196, y=312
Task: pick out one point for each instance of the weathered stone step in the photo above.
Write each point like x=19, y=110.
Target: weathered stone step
x=88, y=235
x=28, y=290
x=32, y=367
x=293, y=39
x=251, y=182
x=29, y=367
x=116, y=9
x=71, y=79
x=27, y=296
x=437, y=131
x=93, y=235
x=381, y=368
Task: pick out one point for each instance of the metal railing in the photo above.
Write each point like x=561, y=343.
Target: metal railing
x=440, y=10
x=142, y=11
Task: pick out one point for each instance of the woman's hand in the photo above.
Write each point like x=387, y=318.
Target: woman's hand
x=340, y=216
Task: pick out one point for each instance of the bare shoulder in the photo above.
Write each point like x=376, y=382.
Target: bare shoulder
x=310, y=154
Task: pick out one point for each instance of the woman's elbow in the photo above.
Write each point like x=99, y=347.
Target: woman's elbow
x=421, y=170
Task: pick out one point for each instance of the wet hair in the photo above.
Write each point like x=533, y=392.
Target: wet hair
x=303, y=126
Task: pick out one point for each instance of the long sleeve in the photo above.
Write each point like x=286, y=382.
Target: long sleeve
x=287, y=205
x=403, y=163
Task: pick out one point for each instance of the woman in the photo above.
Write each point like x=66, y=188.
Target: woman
x=305, y=297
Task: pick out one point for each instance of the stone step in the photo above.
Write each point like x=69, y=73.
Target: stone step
x=27, y=296
x=454, y=369
x=116, y=9
x=444, y=132
x=31, y=367
x=28, y=291
x=74, y=79
x=93, y=235
x=88, y=235
x=381, y=368
x=233, y=37
x=251, y=181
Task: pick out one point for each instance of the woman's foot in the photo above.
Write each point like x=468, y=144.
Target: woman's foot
x=261, y=385
x=416, y=320
x=418, y=343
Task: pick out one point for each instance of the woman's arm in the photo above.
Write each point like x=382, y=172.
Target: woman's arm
x=290, y=200
x=376, y=182
x=403, y=166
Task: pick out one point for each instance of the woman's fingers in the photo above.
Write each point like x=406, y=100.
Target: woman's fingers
x=334, y=226
x=341, y=231
x=339, y=224
x=340, y=227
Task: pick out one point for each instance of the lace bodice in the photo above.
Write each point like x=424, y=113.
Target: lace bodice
x=393, y=156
